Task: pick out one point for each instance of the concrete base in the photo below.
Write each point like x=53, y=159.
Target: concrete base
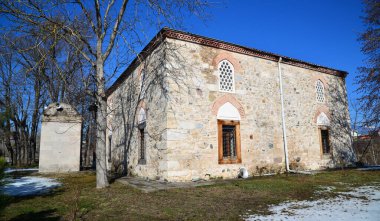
x=147, y=186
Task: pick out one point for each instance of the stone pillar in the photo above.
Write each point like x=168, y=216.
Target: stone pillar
x=60, y=139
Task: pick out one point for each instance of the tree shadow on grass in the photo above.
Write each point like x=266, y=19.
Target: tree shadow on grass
x=44, y=215
x=6, y=200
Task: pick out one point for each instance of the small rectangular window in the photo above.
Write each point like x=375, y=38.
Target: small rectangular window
x=229, y=141
x=325, y=141
x=109, y=148
x=142, y=159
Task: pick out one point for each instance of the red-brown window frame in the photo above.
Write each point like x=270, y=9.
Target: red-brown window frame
x=321, y=141
x=221, y=160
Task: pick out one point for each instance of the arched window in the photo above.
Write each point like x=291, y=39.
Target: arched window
x=226, y=76
x=141, y=117
x=323, y=120
x=228, y=112
x=320, y=91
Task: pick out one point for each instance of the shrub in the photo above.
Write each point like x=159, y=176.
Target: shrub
x=2, y=167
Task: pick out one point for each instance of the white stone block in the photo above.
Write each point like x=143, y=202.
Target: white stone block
x=176, y=134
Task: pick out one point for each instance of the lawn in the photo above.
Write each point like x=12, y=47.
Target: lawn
x=78, y=198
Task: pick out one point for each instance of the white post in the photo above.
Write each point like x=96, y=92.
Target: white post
x=283, y=116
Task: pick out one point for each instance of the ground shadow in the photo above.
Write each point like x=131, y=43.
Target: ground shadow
x=6, y=200
x=44, y=215
x=23, y=191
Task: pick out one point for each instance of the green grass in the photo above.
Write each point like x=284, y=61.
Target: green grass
x=79, y=199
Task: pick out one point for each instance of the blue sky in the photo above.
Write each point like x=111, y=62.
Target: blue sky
x=324, y=32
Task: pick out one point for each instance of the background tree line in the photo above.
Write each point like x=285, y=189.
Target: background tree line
x=36, y=70
x=366, y=120
x=72, y=40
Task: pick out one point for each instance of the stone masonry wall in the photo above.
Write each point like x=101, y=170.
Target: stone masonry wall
x=123, y=134
x=192, y=143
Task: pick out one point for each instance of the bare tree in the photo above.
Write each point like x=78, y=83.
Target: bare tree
x=368, y=81
x=368, y=78
x=6, y=81
x=31, y=75
x=94, y=30
x=18, y=105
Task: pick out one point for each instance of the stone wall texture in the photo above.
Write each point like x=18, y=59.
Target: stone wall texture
x=183, y=123
x=123, y=133
x=60, y=147
x=60, y=139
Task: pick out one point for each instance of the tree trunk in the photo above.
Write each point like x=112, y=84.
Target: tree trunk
x=8, y=143
x=26, y=146
x=101, y=167
x=17, y=145
x=8, y=113
x=35, y=119
x=86, y=147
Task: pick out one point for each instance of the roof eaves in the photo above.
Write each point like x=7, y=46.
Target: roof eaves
x=211, y=42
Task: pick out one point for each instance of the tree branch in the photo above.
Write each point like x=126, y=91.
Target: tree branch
x=115, y=30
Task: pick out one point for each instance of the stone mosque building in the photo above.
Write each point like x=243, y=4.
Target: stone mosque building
x=191, y=107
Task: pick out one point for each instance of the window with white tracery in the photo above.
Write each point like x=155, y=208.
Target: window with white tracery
x=320, y=91
x=226, y=76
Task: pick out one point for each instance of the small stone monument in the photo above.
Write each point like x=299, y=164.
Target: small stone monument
x=60, y=139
